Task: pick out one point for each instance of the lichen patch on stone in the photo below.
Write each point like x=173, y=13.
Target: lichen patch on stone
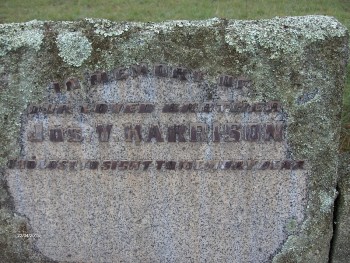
x=281, y=36
x=327, y=201
x=107, y=28
x=74, y=48
x=13, y=40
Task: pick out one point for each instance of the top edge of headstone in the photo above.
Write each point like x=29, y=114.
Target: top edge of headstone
x=319, y=22
x=282, y=35
x=326, y=25
x=210, y=21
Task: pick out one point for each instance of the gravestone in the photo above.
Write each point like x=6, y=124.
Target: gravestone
x=203, y=141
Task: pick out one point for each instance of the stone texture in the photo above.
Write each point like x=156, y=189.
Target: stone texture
x=91, y=172
x=340, y=249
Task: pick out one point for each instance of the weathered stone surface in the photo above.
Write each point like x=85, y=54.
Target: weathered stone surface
x=340, y=243
x=206, y=141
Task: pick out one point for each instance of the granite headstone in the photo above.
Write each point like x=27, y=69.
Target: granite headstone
x=183, y=141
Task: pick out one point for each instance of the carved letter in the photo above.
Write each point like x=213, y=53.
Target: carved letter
x=11, y=164
x=207, y=107
x=298, y=165
x=189, y=107
x=52, y=165
x=74, y=135
x=106, y=165
x=134, y=165
x=160, y=164
x=116, y=108
x=72, y=165
x=56, y=135
x=241, y=82
x=99, y=77
x=178, y=130
x=56, y=87
x=264, y=165
x=185, y=165
x=160, y=70
x=132, y=133
x=31, y=164
x=170, y=165
x=121, y=73
x=131, y=108
x=180, y=73
x=72, y=84
x=274, y=131
x=103, y=132
x=225, y=165
x=273, y=106
x=137, y=70
x=101, y=108
x=85, y=108
x=92, y=165
x=171, y=108
x=252, y=132
x=123, y=165
x=155, y=133
x=286, y=164
x=198, y=132
x=216, y=132
x=146, y=164
x=237, y=165
x=241, y=107
x=146, y=108
x=65, y=108
x=226, y=80
x=232, y=132
x=258, y=107
x=37, y=135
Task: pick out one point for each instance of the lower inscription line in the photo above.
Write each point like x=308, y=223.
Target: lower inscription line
x=143, y=165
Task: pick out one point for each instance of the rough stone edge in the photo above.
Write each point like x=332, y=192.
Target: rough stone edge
x=340, y=252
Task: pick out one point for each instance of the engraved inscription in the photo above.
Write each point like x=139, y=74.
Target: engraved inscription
x=128, y=121
x=144, y=135
x=123, y=165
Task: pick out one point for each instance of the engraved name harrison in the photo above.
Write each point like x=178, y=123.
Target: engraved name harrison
x=193, y=132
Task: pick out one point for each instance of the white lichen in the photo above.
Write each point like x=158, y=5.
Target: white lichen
x=327, y=201
x=74, y=48
x=12, y=40
x=107, y=28
x=281, y=36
